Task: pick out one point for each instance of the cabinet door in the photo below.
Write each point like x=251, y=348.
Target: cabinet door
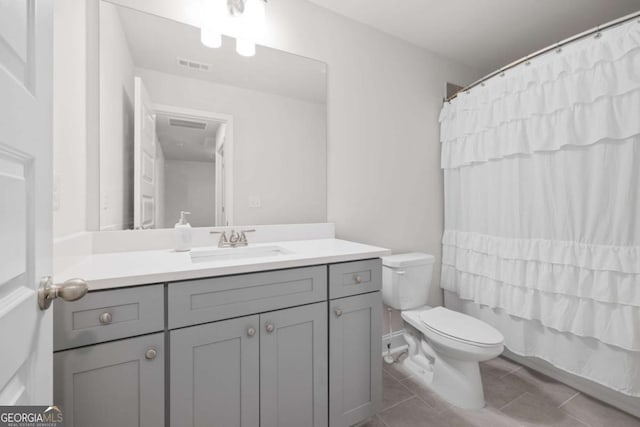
x=215, y=374
x=293, y=367
x=120, y=383
x=355, y=358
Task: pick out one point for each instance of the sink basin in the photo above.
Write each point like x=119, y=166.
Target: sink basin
x=229, y=254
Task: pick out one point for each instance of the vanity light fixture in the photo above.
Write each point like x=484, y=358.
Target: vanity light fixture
x=242, y=19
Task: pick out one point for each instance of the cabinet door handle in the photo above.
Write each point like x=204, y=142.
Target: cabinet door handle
x=105, y=318
x=251, y=332
x=269, y=327
x=151, y=353
x=338, y=312
x=358, y=279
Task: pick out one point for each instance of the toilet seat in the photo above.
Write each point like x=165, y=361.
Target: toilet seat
x=460, y=327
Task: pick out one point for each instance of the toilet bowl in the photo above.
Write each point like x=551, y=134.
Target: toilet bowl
x=445, y=346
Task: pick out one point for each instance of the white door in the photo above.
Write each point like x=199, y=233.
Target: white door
x=26, y=350
x=144, y=175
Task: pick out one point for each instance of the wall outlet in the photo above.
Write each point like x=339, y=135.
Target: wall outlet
x=255, y=202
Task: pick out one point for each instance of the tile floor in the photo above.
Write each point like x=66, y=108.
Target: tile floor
x=516, y=396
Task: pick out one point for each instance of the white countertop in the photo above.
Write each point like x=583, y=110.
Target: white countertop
x=118, y=269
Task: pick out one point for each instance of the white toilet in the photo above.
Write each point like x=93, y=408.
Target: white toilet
x=445, y=346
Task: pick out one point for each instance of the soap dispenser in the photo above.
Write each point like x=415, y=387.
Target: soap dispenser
x=182, y=233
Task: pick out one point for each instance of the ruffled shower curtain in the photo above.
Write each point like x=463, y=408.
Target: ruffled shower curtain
x=542, y=202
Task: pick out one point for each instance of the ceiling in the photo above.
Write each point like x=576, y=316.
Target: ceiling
x=184, y=143
x=156, y=43
x=483, y=34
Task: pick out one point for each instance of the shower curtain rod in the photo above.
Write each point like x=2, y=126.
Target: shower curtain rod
x=554, y=46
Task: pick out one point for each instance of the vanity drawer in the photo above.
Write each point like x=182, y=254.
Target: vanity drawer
x=107, y=315
x=207, y=300
x=352, y=278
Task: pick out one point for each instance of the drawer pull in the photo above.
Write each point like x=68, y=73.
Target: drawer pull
x=151, y=354
x=251, y=332
x=358, y=279
x=338, y=312
x=270, y=328
x=105, y=318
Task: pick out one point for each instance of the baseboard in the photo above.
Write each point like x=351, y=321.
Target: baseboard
x=396, y=340
x=621, y=401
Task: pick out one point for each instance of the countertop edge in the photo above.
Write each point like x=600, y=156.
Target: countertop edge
x=217, y=271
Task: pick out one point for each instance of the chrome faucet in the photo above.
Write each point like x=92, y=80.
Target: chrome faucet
x=234, y=240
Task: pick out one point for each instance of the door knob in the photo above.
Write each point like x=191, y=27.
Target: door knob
x=270, y=328
x=251, y=332
x=71, y=290
x=338, y=312
x=358, y=279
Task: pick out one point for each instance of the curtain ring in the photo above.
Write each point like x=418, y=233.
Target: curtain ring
x=598, y=33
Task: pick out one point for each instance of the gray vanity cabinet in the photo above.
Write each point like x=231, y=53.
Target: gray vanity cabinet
x=355, y=358
x=293, y=367
x=120, y=383
x=215, y=374
x=298, y=347
x=267, y=370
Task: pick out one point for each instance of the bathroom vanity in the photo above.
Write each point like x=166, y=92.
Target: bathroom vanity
x=297, y=346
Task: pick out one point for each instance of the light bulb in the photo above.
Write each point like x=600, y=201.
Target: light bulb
x=213, y=16
x=245, y=47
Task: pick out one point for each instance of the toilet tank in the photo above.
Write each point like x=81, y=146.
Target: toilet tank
x=406, y=279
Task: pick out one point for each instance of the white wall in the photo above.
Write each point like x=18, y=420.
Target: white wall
x=279, y=146
x=116, y=123
x=384, y=95
x=69, y=117
x=385, y=186
x=189, y=186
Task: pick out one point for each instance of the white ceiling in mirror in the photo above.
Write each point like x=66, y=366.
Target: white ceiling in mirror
x=187, y=139
x=269, y=70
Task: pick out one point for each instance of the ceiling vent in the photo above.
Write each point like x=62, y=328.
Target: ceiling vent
x=193, y=65
x=191, y=124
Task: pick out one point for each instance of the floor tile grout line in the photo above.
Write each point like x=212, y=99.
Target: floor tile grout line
x=398, y=403
x=438, y=411
x=516, y=369
x=568, y=400
x=513, y=400
x=517, y=397
x=578, y=420
x=382, y=421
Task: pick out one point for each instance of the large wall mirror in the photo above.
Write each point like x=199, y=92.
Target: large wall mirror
x=234, y=140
